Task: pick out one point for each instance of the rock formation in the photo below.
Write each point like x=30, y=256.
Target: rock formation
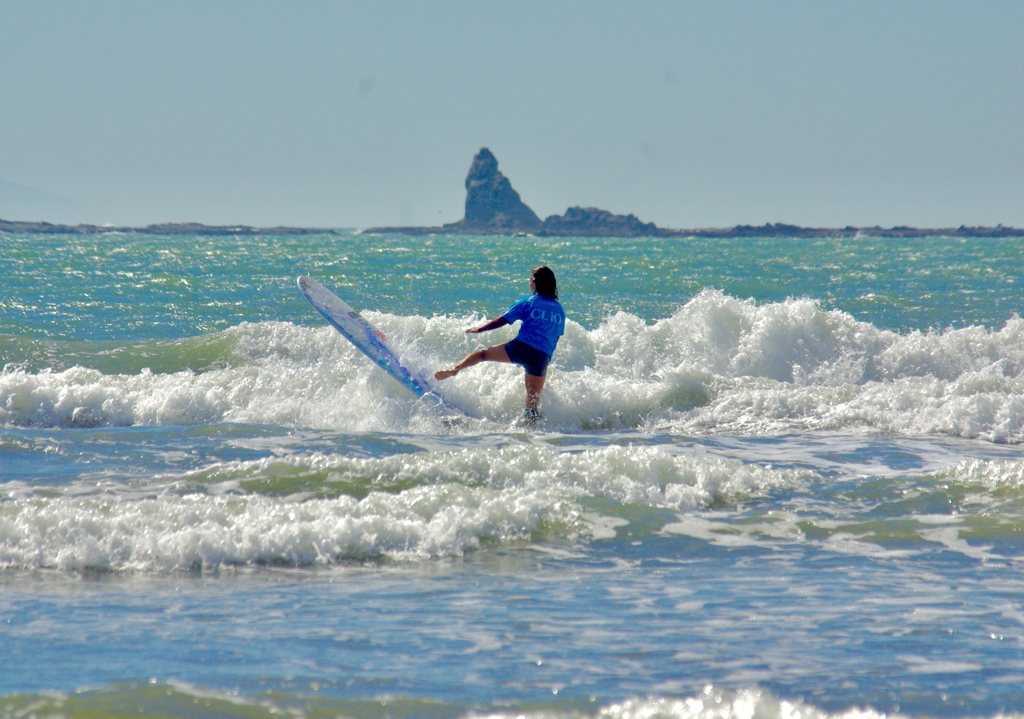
x=493, y=207
x=592, y=222
x=491, y=203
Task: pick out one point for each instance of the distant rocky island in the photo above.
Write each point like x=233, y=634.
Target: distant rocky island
x=494, y=207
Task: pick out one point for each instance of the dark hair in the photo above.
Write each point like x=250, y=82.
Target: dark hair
x=545, y=281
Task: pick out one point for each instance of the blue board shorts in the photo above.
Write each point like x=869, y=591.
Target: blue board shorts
x=528, y=357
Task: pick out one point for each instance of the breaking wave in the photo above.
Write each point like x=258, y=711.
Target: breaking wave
x=717, y=365
x=317, y=509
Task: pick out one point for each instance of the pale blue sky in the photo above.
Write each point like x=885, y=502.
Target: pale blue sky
x=349, y=114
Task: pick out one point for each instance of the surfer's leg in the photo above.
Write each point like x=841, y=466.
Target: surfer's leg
x=496, y=353
x=534, y=386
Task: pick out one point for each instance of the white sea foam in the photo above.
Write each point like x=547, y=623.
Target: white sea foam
x=670, y=702
x=991, y=475
x=712, y=703
x=320, y=509
x=970, y=507
x=718, y=365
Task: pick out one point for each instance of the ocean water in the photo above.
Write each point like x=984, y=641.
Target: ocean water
x=775, y=478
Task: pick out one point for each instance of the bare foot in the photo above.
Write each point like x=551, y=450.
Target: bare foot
x=445, y=373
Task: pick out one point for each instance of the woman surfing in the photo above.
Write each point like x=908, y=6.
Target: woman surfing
x=543, y=322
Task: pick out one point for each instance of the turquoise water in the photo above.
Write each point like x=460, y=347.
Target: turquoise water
x=774, y=476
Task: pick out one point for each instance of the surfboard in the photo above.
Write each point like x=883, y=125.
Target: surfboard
x=369, y=340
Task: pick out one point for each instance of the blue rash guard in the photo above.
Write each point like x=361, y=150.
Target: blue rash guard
x=543, y=322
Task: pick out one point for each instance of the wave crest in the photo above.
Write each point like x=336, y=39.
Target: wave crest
x=317, y=509
x=718, y=364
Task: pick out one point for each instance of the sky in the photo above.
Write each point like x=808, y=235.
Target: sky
x=354, y=114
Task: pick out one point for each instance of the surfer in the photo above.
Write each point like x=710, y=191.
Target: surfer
x=543, y=322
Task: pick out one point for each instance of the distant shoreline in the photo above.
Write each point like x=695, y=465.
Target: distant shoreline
x=167, y=228
x=493, y=207
x=766, y=230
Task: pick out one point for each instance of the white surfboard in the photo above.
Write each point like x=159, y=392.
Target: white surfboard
x=364, y=336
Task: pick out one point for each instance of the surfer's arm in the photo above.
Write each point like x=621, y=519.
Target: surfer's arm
x=488, y=326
